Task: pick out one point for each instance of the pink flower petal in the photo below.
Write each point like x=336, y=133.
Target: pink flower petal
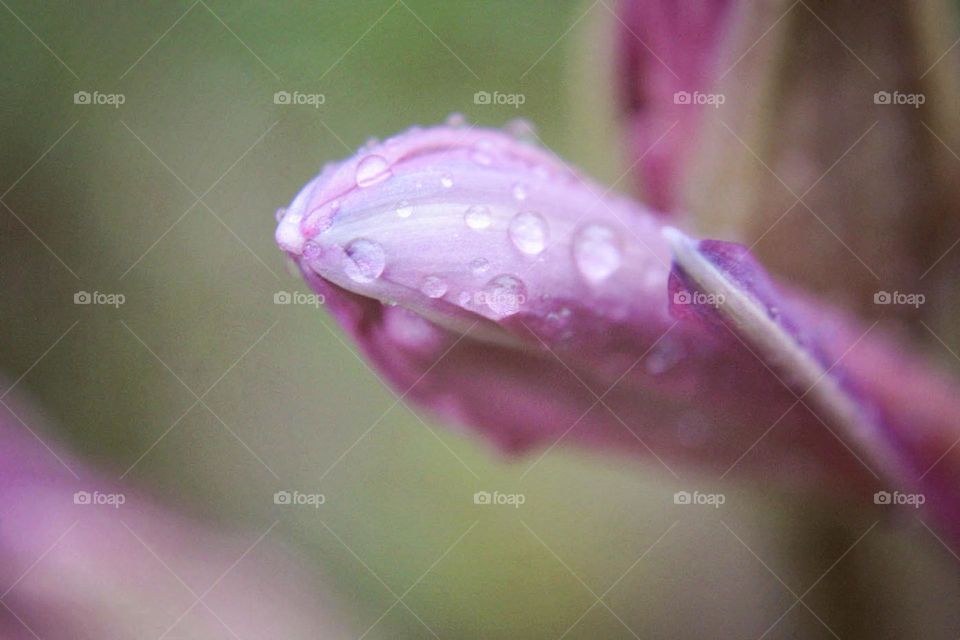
x=84, y=557
x=561, y=334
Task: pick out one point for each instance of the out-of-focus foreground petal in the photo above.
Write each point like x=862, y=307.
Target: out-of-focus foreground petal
x=494, y=286
x=82, y=557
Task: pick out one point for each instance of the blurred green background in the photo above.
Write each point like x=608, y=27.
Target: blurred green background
x=105, y=199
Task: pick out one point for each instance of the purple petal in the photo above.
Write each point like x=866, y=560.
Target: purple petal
x=544, y=318
x=492, y=285
x=902, y=433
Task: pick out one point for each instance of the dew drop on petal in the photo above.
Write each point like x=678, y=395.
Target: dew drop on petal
x=456, y=120
x=477, y=217
x=433, y=287
x=504, y=295
x=410, y=329
x=464, y=297
x=528, y=232
x=446, y=181
x=404, y=210
x=311, y=250
x=482, y=158
x=479, y=266
x=519, y=192
x=521, y=129
x=482, y=153
x=278, y=216
x=372, y=170
x=663, y=357
x=364, y=261
x=596, y=252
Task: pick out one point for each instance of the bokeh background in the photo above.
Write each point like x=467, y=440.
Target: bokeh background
x=169, y=200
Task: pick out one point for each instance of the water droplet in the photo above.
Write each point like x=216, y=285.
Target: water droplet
x=664, y=356
x=433, y=287
x=482, y=153
x=477, y=217
x=311, y=250
x=410, y=329
x=464, y=298
x=521, y=129
x=519, y=192
x=404, y=210
x=456, y=120
x=479, y=266
x=482, y=158
x=371, y=170
x=365, y=260
x=596, y=252
x=528, y=232
x=278, y=216
x=446, y=181
x=504, y=295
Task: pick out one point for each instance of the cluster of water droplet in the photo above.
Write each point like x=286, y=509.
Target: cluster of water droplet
x=596, y=248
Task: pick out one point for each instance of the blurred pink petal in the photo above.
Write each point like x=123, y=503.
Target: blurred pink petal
x=667, y=51
x=83, y=557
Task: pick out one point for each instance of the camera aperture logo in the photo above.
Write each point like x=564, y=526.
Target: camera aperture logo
x=700, y=499
x=299, y=298
x=699, y=99
x=297, y=98
x=298, y=499
x=499, y=99
x=896, y=498
x=896, y=297
x=99, y=298
x=698, y=297
x=497, y=498
x=897, y=98
x=96, y=498
x=99, y=99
